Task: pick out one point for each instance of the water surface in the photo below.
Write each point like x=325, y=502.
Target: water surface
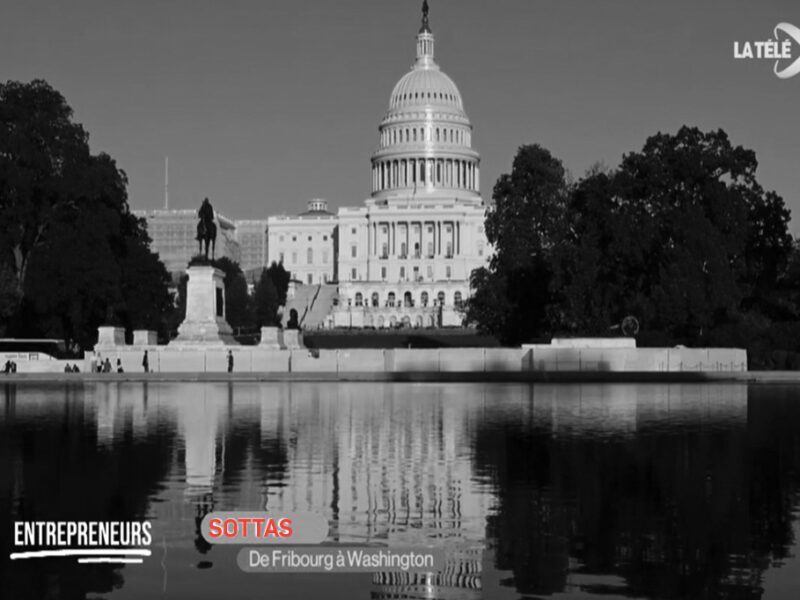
x=537, y=491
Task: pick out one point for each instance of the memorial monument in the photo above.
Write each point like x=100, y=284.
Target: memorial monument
x=205, y=321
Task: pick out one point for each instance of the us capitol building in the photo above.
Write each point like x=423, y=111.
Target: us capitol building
x=405, y=256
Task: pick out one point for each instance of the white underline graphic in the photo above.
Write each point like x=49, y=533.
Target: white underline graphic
x=103, y=552
x=105, y=559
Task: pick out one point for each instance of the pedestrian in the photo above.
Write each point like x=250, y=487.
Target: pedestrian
x=7, y=367
x=107, y=366
x=67, y=368
x=119, y=366
x=75, y=368
x=13, y=366
x=230, y=361
x=146, y=362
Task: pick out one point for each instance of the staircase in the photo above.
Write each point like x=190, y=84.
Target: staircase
x=321, y=307
x=313, y=303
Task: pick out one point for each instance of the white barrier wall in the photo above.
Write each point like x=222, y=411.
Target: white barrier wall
x=252, y=359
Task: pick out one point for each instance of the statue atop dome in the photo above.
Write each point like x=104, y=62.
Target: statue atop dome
x=425, y=25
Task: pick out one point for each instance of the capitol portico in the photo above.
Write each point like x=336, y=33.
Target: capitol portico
x=406, y=255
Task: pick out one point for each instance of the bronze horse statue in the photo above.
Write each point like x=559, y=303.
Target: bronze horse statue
x=206, y=229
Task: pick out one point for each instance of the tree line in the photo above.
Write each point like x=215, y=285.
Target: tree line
x=679, y=235
x=72, y=254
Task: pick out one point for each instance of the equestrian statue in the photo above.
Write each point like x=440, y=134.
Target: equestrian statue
x=206, y=229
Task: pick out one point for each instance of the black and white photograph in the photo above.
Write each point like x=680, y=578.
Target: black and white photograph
x=399, y=300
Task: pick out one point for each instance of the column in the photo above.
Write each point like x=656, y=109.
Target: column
x=458, y=238
x=439, y=238
x=477, y=177
x=369, y=244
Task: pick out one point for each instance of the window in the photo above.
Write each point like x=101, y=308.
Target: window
x=353, y=231
x=416, y=273
x=324, y=238
x=449, y=253
x=458, y=300
x=294, y=238
x=294, y=258
x=449, y=271
x=309, y=238
x=375, y=299
x=403, y=250
x=325, y=257
x=390, y=301
x=353, y=251
x=424, y=298
x=408, y=301
x=280, y=258
x=359, y=299
x=430, y=249
x=430, y=272
x=281, y=238
x=354, y=274
x=310, y=279
x=440, y=298
x=383, y=272
x=310, y=256
x=402, y=272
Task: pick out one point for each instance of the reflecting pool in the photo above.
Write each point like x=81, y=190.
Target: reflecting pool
x=536, y=491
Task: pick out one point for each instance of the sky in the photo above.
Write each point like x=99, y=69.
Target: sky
x=263, y=105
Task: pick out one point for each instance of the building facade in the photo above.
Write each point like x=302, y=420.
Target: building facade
x=406, y=255
x=173, y=234
x=305, y=243
x=252, y=238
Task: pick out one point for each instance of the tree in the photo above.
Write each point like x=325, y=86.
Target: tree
x=266, y=301
x=682, y=236
x=145, y=281
x=524, y=225
x=75, y=254
x=42, y=157
x=280, y=278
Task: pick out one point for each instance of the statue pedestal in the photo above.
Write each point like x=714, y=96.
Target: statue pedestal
x=205, y=322
x=271, y=338
x=292, y=339
x=110, y=338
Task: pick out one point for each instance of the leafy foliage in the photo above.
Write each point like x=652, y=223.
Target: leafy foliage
x=74, y=253
x=265, y=299
x=681, y=235
x=524, y=224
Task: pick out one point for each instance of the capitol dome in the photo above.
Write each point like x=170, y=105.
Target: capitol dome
x=426, y=86
x=425, y=142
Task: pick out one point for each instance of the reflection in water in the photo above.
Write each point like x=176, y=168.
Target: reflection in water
x=633, y=490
